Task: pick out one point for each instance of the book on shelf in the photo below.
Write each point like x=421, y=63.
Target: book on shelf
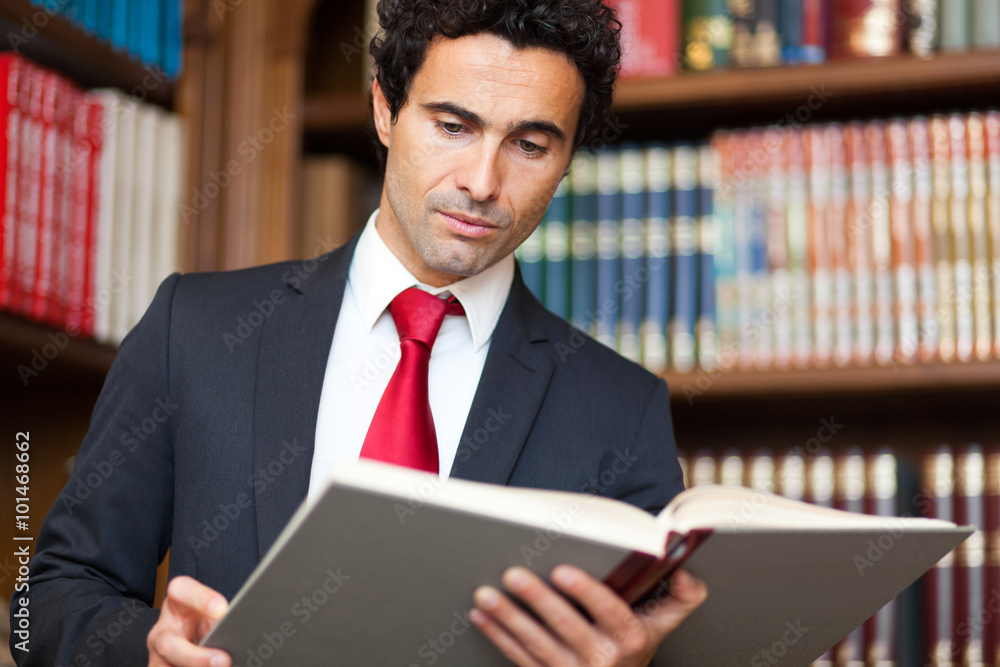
x=650, y=36
x=422, y=547
x=337, y=196
x=92, y=183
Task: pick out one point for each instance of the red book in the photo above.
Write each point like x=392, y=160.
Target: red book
x=881, y=237
x=991, y=500
x=30, y=104
x=969, y=556
x=95, y=139
x=813, y=31
x=859, y=244
x=62, y=223
x=865, y=28
x=48, y=210
x=79, y=216
x=10, y=117
x=903, y=252
x=936, y=503
x=820, y=253
x=650, y=36
x=837, y=230
x=881, y=499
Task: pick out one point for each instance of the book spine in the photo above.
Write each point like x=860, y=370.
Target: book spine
x=122, y=258
x=859, y=244
x=650, y=36
x=730, y=468
x=881, y=237
x=79, y=188
x=609, y=246
x=136, y=20
x=119, y=24
x=742, y=174
x=26, y=232
x=708, y=35
x=142, y=219
x=90, y=15
x=170, y=175
x=959, y=229
x=766, y=39
x=797, y=217
x=583, y=241
x=923, y=238
x=881, y=499
x=978, y=234
x=707, y=337
x=761, y=331
x=63, y=236
x=47, y=215
x=923, y=26
x=843, y=342
x=530, y=255
x=849, y=491
x=814, y=29
x=992, y=130
x=556, y=251
x=986, y=24
x=103, y=26
x=703, y=468
x=173, y=50
x=860, y=28
x=744, y=17
x=820, y=479
x=937, y=504
x=790, y=481
x=727, y=315
x=820, y=262
x=775, y=146
x=152, y=29
x=790, y=31
x=944, y=269
x=10, y=116
x=902, y=242
x=956, y=25
x=760, y=473
x=683, y=240
x=635, y=275
x=658, y=257
x=991, y=575
x=969, y=557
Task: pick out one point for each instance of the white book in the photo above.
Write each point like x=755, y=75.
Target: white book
x=122, y=268
x=147, y=129
x=110, y=101
x=170, y=160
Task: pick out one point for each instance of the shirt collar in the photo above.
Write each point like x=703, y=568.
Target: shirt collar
x=376, y=276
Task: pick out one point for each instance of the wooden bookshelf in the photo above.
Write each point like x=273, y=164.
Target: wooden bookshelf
x=767, y=89
x=65, y=47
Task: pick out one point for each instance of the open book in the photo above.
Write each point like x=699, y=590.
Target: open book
x=380, y=569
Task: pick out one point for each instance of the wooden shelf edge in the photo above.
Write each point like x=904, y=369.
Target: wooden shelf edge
x=345, y=112
x=54, y=42
x=21, y=339
x=839, y=78
x=704, y=385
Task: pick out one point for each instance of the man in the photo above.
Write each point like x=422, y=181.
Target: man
x=480, y=107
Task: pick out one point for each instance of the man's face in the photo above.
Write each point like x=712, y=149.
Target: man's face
x=477, y=150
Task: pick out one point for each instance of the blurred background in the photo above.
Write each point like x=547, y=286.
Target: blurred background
x=793, y=215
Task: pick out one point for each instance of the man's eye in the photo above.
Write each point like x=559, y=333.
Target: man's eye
x=530, y=147
x=451, y=128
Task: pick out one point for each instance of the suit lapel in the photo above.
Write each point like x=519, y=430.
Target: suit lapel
x=513, y=384
x=291, y=364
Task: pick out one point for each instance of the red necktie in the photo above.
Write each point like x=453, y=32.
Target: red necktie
x=402, y=431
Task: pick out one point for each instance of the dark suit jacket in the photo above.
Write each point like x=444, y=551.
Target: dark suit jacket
x=201, y=441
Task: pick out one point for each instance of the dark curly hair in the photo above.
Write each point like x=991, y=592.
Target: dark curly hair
x=586, y=31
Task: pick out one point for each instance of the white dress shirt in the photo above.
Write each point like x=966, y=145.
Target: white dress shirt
x=365, y=352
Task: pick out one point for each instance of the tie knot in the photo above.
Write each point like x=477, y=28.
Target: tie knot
x=418, y=314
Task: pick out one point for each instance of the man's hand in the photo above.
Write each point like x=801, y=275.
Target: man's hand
x=618, y=636
x=189, y=612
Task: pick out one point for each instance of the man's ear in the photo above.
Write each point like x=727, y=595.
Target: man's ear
x=382, y=116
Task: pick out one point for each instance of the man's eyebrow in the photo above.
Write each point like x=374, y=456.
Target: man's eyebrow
x=545, y=126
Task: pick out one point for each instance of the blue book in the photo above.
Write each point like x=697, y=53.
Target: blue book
x=657, y=257
x=151, y=34
x=119, y=24
x=90, y=16
x=684, y=243
x=707, y=338
x=138, y=11
x=790, y=31
x=71, y=10
x=583, y=241
x=609, y=248
x=103, y=27
x=172, y=41
x=635, y=274
x=556, y=247
x=530, y=256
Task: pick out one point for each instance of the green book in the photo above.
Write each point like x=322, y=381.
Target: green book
x=956, y=25
x=986, y=24
x=708, y=34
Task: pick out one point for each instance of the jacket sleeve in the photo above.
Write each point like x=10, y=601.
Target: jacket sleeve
x=93, y=578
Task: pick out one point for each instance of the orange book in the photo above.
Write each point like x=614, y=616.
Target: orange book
x=820, y=255
x=902, y=236
x=859, y=245
x=881, y=236
x=978, y=239
x=944, y=269
x=837, y=228
x=923, y=240
x=958, y=210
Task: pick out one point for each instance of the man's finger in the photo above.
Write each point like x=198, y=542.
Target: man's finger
x=610, y=612
x=176, y=650
x=686, y=594
x=560, y=617
x=197, y=597
x=502, y=639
